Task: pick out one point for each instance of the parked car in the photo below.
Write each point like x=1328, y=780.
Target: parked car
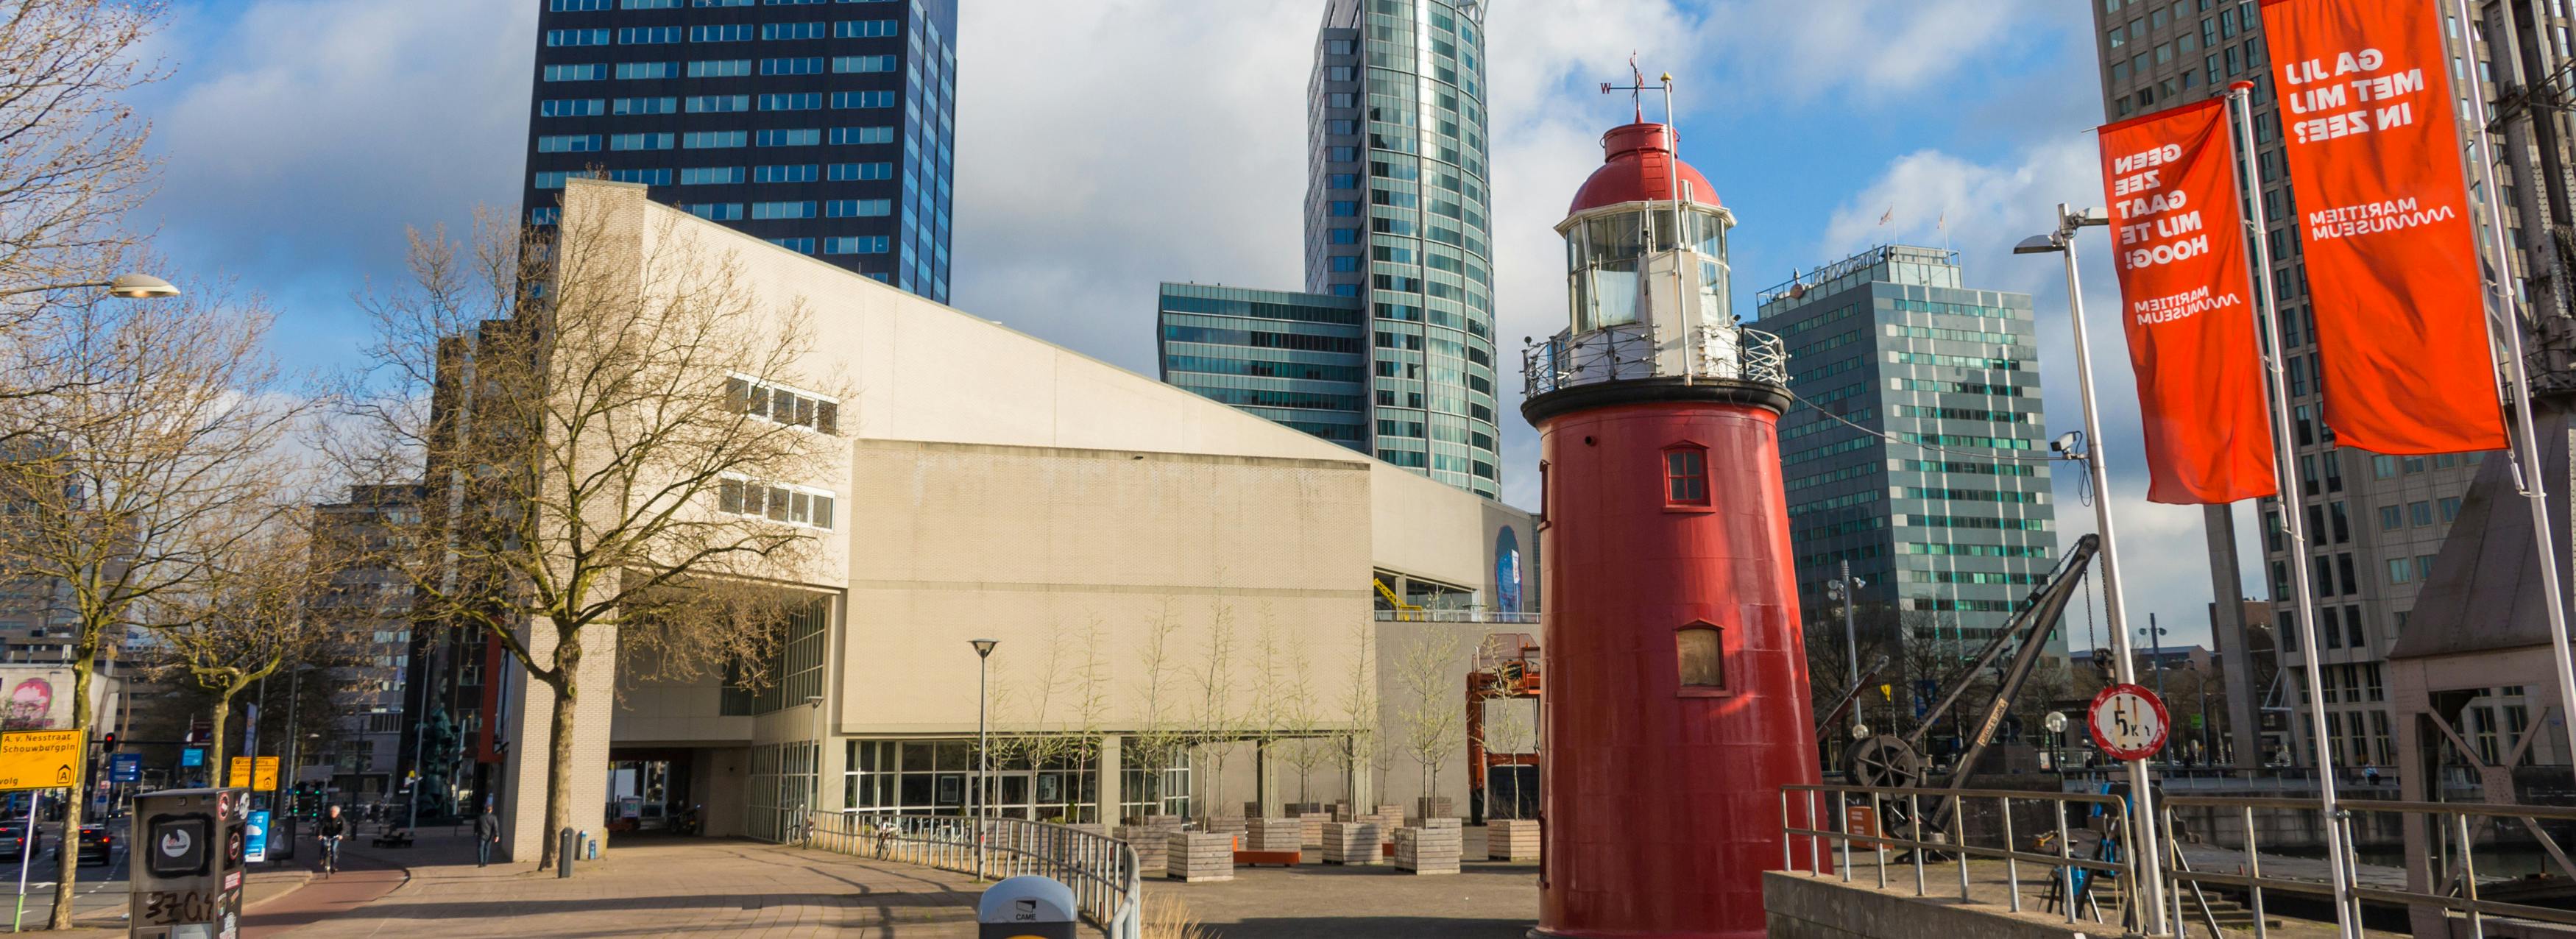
x=97, y=844
x=13, y=841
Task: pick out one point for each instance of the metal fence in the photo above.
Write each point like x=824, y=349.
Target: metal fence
x=2453, y=831
x=1629, y=351
x=2088, y=832
x=1101, y=870
x=1895, y=820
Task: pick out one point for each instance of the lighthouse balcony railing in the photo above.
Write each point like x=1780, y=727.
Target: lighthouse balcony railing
x=1632, y=351
x=1935, y=835
x=1456, y=616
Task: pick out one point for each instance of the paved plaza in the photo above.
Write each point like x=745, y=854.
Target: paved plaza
x=704, y=887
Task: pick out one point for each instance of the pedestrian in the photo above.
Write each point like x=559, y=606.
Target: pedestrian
x=487, y=832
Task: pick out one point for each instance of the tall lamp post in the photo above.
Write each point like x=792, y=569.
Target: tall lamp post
x=1842, y=588
x=2156, y=654
x=2061, y=241
x=976, y=803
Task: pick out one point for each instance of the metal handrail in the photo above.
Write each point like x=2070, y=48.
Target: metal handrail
x=1101, y=870
x=1913, y=840
x=1628, y=351
x=2452, y=829
x=1455, y=616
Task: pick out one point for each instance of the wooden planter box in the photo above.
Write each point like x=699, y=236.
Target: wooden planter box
x=1194, y=857
x=1433, y=807
x=1511, y=839
x=1275, y=834
x=1351, y=843
x=1311, y=827
x=1428, y=850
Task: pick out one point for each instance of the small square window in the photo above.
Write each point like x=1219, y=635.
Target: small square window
x=1702, y=656
x=1686, y=476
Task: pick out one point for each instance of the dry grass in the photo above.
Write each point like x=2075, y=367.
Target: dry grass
x=1169, y=918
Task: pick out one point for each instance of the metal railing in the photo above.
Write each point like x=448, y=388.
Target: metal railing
x=2452, y=833
x=1101, y=870
x=2073, y=817
x=1455, y=616
x=1629, y=351
x=1915, y=824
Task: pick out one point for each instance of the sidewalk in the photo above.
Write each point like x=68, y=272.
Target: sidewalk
x=641, y=887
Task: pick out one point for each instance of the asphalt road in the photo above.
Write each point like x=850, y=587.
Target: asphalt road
x=101, y=889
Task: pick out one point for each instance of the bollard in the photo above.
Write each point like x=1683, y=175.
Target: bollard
x=565, y=845
x=589, y=847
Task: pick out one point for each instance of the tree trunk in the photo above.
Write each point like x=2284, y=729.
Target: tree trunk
x=215, y=751
x=567, y=687
x=69, y=845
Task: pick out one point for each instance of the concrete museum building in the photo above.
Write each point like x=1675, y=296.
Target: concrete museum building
x=1165, y=575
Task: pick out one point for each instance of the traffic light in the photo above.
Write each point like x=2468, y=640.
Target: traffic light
x=107, y=744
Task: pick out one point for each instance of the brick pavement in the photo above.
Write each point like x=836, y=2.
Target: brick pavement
x=659, y=887
x=1485, y=900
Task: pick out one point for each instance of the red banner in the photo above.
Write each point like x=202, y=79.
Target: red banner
x=2384, y=209
x=2180, y=250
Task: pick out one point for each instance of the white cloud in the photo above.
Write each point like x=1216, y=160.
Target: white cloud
x=1871, y=50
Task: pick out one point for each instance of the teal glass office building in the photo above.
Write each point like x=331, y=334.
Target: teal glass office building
x=1397, y=229
x=1892, y=340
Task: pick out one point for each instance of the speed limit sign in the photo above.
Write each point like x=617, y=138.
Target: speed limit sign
x=2128, y=722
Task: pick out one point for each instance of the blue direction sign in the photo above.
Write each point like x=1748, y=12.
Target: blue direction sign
x=192, y=757
x=125, y=767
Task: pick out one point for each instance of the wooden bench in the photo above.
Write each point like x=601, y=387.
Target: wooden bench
x=1252, y=858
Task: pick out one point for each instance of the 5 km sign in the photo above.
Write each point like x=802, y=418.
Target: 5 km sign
x=2128, y=722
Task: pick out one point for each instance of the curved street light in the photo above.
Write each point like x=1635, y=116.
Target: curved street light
x=127, y=286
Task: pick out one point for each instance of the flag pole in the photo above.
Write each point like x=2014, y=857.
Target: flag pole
x=2510, y=297
x=2293, y=504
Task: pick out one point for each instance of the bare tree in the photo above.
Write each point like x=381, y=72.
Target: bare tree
x=259, y=608
x=1091, y=708
x=614, y=425
x=1215, y=726
x=1432, y=716
x=1160, y=737
x=71, y=163
x=156, y=457
x=1360, y=714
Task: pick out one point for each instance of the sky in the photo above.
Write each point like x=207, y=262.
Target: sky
x=1105, y=146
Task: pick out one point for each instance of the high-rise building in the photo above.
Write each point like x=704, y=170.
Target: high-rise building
x=2374, y=521
x=1948, y=518
x=372, y=605
x=1397, y=220
x=826, y=129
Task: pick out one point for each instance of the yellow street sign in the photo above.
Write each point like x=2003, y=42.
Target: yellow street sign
x=263, y=777
x=40, y=759
x=238, y=776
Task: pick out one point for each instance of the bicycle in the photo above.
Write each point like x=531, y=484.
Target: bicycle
x=331, y=855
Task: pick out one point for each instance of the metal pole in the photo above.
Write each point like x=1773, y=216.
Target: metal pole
x=2292, y=505
x=2526, y=451
x=2146, y=855
x=983, y=761
x=27, y=857
x=1851, y=643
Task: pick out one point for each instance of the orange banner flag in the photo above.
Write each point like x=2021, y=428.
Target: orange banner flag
x=2373, y=147
x=2179, y=246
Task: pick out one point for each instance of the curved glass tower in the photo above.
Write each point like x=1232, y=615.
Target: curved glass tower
x=1397, y=215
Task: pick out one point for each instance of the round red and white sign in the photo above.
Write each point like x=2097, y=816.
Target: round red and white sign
x=2128, y=723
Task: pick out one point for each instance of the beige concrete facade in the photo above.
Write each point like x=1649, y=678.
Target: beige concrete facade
x=1095, y=521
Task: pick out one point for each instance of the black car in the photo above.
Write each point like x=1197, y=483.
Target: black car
x=97, y=845
x=13, y=841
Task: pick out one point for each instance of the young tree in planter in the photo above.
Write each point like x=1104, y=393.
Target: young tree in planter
x=612, y=427
x=156, y=458
x=1432, y=721
x=1159, y=738
x=1216, y=726
x=1358, y=748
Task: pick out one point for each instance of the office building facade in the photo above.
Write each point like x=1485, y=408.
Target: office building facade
x=827, y=129
x=2374, y=521
x=1301, y=359
x=372, y=606
x=1397, y=219
x=1954, y=538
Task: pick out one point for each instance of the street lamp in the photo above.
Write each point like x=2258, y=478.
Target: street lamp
x=127, y=286
x=976, y=803
x=2061, y=241
x=1842, y=588
x=2156, y=650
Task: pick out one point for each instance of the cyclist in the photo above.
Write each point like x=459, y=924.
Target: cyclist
x=332, y=829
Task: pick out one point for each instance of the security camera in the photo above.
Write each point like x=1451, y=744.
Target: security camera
x=2065, y=443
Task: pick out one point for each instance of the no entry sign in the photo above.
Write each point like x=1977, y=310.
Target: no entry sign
x=2128, y=723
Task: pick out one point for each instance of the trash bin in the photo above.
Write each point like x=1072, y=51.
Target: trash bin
x=1027, y=908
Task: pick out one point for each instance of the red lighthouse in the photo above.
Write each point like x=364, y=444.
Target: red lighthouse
x=1677, y=681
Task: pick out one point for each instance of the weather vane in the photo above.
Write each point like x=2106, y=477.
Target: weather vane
x=1636, y=92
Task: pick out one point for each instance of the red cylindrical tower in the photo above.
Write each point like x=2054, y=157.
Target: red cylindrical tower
x=1677, y=702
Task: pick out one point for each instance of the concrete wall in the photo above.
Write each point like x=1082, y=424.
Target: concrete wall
x=1804, y=907
x=674, y=713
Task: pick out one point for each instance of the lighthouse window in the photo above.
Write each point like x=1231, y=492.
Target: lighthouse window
x=1686, y=476
x=1703, y=661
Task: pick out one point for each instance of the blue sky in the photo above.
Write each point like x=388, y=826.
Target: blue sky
x=1107, y=145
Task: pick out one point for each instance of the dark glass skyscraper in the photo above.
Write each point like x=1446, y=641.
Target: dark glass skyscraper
x=1397, y=219
x=824, y=126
